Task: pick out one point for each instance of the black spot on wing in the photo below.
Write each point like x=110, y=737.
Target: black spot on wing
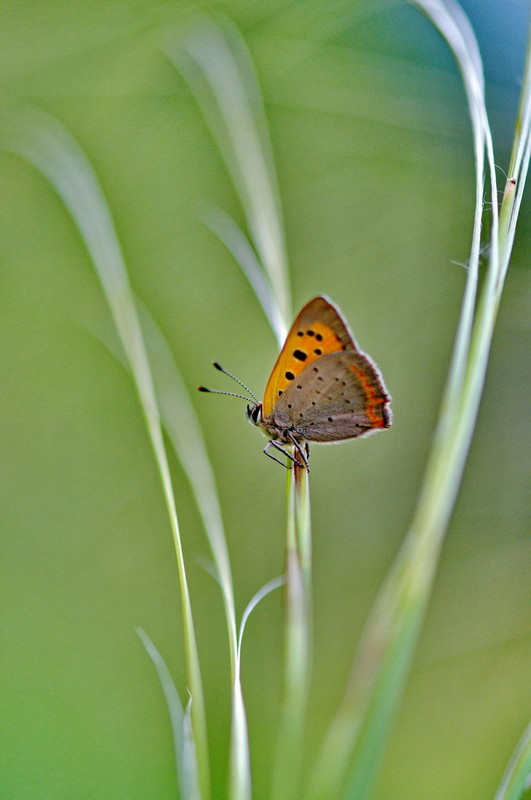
x=289, y=375
x=298, y=354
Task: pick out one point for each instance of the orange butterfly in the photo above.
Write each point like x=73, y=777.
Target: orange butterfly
x=322, y=387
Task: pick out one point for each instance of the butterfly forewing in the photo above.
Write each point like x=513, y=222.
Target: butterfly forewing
x=317, y=331
x=340, y=396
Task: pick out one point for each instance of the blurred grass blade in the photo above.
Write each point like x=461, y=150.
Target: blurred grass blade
x=352, y=749
x=517, y=779
x=454, y=26
x=235, y=240
x=189, y=778
x=218, y=67
x=41, y=140
x=181, y=424
x=240, y=759
x=518, y=168
x=184, y=758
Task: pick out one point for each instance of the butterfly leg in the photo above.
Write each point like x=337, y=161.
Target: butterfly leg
x=272, y=443
x=303, y=451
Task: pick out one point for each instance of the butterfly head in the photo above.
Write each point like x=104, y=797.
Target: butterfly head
x=254, y=414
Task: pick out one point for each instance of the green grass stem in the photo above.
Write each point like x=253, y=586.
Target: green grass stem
x=180, y=724
x=287, y=769
x=516, y=782
x=239, y=756
x=352, y=749
x=49, y=147
x=180, y=422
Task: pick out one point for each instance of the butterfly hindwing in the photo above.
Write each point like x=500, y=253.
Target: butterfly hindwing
x=317, y=331
x=341, y=396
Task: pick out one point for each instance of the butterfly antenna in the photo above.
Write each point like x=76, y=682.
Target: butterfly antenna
x=230, y=394
x=234, y=378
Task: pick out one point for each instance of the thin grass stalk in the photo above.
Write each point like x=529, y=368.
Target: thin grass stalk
x=182, y=426
x=46, y=144
x=184, y=432
x=180, y=723
x=516, y=781
x=518, y=167
x=359, y=730
x=287, y=772
x=456, y=29
x=239, y=754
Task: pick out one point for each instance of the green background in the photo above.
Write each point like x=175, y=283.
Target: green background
x=372, y=144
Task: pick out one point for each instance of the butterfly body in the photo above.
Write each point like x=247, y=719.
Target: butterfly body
x=323, y=388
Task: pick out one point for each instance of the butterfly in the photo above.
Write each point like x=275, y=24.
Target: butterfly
x=323, y=388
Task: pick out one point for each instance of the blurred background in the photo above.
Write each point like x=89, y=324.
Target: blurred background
x=372, y=144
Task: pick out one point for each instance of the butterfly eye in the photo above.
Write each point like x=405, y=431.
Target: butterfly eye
x=254, y=413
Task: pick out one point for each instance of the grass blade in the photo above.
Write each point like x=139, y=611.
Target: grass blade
x=218, y=67
x=287, y=771
x=239, y=779
x=182, y=427
x=352, y=749
x=517, y=779
x=189, y=779
x=269, y=587
x=235, y=240
x=41, y=140
x=184, y=755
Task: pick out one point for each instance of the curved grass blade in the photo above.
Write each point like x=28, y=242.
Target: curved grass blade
x=182, y=427
x=190, y=784
x=353, y=747
x=224, y=227
x=517, y=779
x=47, y=145
x=185, y=759
x=217, y=66
x=256, y=599
x=239, y=778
